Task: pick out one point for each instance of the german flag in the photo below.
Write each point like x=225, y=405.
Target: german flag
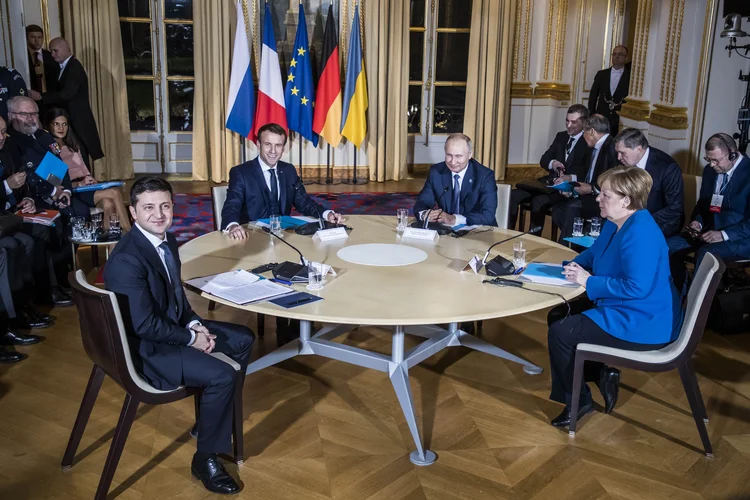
x=327, y=118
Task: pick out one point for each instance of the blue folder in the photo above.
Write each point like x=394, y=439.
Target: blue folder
x=584, y=241
x=97, y=187
x=543, y=270
x=52, y=169
x=295, y=300
x=287, y=222
x=564, y=187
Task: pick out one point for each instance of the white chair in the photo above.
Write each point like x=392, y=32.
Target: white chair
x=677, y=355
x=503, y=205
x=218, y=196
x=106, y=343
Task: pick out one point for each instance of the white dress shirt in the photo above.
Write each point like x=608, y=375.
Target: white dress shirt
x=642, y=163
x=62, y=67
x=614, y=79
x=594, y=156
x=460, y=219
x=572, y=146
x=156, y=241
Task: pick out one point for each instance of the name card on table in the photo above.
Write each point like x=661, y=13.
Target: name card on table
x=475, y=264
x=420, y=234
x=336, y=233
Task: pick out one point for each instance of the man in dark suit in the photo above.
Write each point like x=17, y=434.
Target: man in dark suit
x=582, y=201
x=170, y=343
x=720, y=222
x=11, y=85
x=72, y=94
x=267, y=186
x=665, y=200
x=43, y=69
x=610, y=88
x=464, y=190
x=567, y=153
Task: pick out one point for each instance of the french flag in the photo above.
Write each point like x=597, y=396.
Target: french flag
x=271, y=108
x=241, y=106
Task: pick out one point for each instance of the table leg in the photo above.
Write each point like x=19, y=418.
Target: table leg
x=287, y=351
x=400, y=379
x=472, y=342
x=73, y=247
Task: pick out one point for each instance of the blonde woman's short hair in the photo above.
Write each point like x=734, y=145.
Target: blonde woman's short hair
x=633, y=182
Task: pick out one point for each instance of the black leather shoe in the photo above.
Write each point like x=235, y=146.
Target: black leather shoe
x=563, y=419
x=213, y=476
x=60, y=298
x=13, y=338
x=609, y=385
x=8, y=357
x=25, y=322
x=29, y=311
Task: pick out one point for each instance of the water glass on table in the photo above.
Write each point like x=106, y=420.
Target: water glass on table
x=314, y=276
x=519, y=254
x=402, y=218
x=76, y=226
x=97, y=220
x=577, y=227
x=596, y=227
x=275, y=223
x=114, y=226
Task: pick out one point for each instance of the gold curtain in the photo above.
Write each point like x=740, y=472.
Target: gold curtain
x=386, y=40
x=93, y=31
x=487, y=115
x=215, y=149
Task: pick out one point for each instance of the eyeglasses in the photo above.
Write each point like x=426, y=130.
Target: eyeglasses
x=715, y=162
x=25, y=115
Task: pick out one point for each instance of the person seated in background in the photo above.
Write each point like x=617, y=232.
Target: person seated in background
x=631, y=302
x=582, y=201
x=666, y=199
x=266, y=186
x=169, y=342
x=567, y=154
x=464, y=190
x=720, y=222
x=110, y=200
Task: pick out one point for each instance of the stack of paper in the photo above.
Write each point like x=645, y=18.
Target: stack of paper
x=240, y=287
x=43, y=217
x=545, y=274
x=287, y=221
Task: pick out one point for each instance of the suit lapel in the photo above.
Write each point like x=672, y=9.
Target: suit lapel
x=607, y=84
x=624, y=80
x=467, y=184
x=257, y=175
x=148, y=251
x=283, y=182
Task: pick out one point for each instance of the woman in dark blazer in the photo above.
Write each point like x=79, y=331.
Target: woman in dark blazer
x=631, y=301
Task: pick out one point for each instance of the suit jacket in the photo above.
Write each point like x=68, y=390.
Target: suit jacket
x=478, y=196
x=666, y=198
x=734, y=217
x=51, y=70
x=72, y=94
x=630, y=282
x=249, y=199
x=11, y=85
x=600, y=93
x=578, y=160
x=7, y=169
x=607, y=159
x=27, y=153
x=155, y=321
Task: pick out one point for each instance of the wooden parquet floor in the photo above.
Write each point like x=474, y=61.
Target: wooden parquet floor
x=320, y=429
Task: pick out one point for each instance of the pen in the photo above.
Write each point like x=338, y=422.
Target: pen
x=519, y=270
x=277, y=280
x=300, y=301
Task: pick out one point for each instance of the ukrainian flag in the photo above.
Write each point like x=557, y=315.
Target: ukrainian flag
x=353, y=119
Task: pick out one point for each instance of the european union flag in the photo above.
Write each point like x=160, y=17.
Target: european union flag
x=300, y=92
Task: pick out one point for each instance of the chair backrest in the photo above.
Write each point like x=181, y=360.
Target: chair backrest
x=692, y=192
x=104, y=335
x=700, y=297
x=219, y=196
x=503, y=205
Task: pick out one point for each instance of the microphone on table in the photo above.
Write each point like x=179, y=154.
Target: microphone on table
x=500, y=266
x=427, y=215
x=289, y=271
x=436, y=226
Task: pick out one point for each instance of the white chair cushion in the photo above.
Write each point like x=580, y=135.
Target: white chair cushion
x=219, y=194
x=503, y=205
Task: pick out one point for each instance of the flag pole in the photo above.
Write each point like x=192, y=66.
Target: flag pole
x=329, y=175
x=301, y=170
x=354, y=180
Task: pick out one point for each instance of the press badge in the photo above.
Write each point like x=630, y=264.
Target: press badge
x=716, y=201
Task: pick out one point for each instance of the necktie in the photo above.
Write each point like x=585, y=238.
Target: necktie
x=456, y=194
x=590, y=173
x=274, y=193
x=568, y=147
x=174, y=276
x=723, y=183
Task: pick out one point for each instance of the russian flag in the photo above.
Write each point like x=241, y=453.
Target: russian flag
x=271, y=108
x=241, y=106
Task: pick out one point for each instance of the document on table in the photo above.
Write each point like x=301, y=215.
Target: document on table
x=287, y=221
x=240, y=287
x=544, y=273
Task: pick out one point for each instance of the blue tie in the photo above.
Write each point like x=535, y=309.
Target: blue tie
x=274, y=193
x=174, y=276
x=456, y=194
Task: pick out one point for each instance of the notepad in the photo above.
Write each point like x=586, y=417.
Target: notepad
x=545, y=273
x=563, y=186
x=287, y=221
x=97, y=187
x=52, y=169
x=584, y=241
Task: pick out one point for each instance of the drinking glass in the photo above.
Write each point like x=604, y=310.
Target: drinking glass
x=76, y=225
x=87, y=231
x=519, y=255
x=596, y=227
x=578, y=226
x=314, y=276
x=402, y=216
x=275, y=224
x=114, y=225
x=97, y=220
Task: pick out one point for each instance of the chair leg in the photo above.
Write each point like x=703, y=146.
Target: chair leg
x=127, y=415
x=94, y=255
x=211, y=305
x=577, y=381
x=261, y=325
x=237, y=438
x=690, y=383
x=698, y=395
x=87, y=404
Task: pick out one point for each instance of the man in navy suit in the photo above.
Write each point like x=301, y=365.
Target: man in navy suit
x=170, y=343
x=665, y=201
x=267, y=186
x=720, y=222
x=464, y=190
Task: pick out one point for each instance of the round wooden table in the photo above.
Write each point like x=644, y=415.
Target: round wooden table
x=410, y=298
